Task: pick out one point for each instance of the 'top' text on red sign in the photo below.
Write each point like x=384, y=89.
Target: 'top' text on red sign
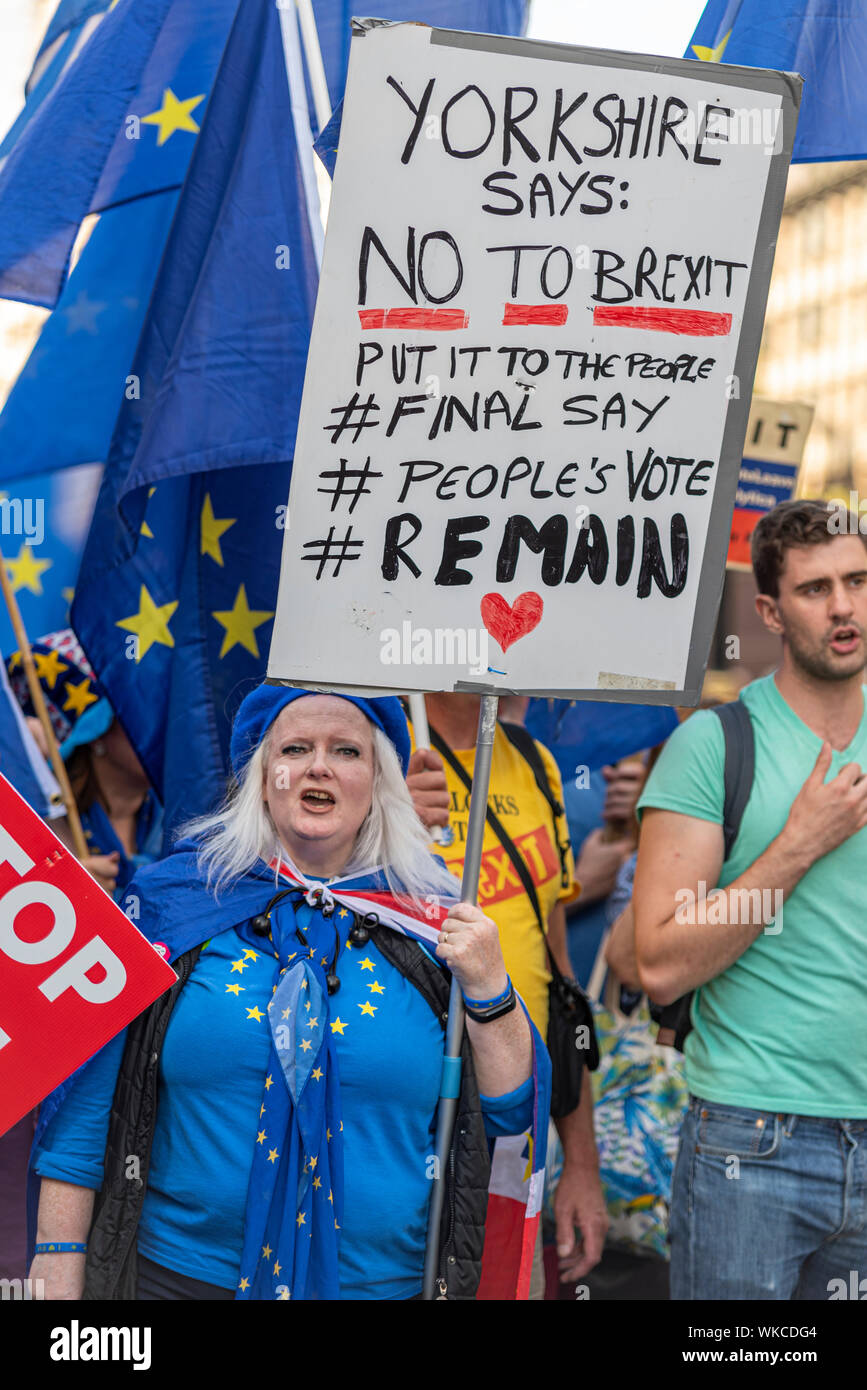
x=73, y=968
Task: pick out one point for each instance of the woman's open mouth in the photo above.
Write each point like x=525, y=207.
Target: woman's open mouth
x=316, y=800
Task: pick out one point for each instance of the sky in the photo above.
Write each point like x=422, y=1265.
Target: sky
x=639, y=26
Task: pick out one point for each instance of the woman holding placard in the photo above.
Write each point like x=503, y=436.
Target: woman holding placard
x=279, y=1145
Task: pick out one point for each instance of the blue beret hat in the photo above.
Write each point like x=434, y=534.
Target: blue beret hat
x=258, y=710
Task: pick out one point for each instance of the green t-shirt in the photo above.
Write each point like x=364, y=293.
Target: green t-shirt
x=784, y=1028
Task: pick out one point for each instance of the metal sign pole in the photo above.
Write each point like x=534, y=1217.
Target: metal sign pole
x=451, y=1077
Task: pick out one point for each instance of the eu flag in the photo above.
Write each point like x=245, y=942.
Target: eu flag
x=119, y=125
x=825, y=42
x=44, y=521
x=71, y=25
x=62, y=409
x=179, y=579
x=180, y=573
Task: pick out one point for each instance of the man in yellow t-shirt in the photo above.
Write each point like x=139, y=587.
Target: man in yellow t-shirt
x=441, y=798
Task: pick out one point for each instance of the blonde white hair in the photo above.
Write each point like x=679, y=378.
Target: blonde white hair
x=391, y=837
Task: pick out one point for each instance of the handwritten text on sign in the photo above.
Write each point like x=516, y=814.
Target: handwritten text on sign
x=522, y=362
x=73, y=969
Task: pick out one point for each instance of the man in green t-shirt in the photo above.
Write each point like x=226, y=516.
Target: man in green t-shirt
x=770, y=1188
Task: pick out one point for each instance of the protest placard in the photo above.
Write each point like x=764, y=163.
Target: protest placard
x=73, y=969
x=774, y=447
x=540, y=309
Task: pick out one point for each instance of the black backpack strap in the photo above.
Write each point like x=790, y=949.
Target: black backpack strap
x=740, y=765
x=523, y=741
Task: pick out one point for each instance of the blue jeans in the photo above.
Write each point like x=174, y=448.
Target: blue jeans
x=768, y=1206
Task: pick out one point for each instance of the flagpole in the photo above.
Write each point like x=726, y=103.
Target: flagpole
x=301, y=122
x=451, y=1075
x=315, y=65
x=421, y=733
x=57, y=764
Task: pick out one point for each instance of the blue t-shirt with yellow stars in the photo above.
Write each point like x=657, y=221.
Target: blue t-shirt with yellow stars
x=212, y=1066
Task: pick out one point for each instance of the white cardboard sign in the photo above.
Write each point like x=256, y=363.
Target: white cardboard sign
x=541, y=301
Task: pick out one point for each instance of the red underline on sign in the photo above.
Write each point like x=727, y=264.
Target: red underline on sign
x=442, y=320
x=699, y=323
x=517, y=315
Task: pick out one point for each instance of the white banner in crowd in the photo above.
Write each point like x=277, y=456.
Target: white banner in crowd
x=541, y=302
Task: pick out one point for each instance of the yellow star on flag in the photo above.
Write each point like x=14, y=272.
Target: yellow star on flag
x=269, y=1082
x=25, y=571
x=317, y=1182
x=150, y=624
x=338, y=1026
x=368, y=1008
x=313, y=1161
x=711, y=55
x=277, y=1266
x=266, y=1252
x=78, y=697
x=273, y=1156
x=255, y=1013
x=173, y=115
x=330, y=1197
x=328, y=1135
x=300, y=1219
x=313, y=1023
x=306, y=1044
x=286, y=1012
x=261, y=1137
x=367, y=964
x=316, y=1073
x=375, y=987
x=250, y=954
x=240, y=622
x=239, y=965
x=212, y=529
x=49, y=667
x=234, y=989
x=244, y=1284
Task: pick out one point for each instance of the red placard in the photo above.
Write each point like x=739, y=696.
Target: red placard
x=73, y=969
x=744, y=524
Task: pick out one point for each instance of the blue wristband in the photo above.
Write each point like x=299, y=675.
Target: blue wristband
x=489, y=1003
x=61, y=1247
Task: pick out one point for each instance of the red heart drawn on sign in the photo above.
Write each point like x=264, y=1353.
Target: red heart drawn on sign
x=505, y=622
